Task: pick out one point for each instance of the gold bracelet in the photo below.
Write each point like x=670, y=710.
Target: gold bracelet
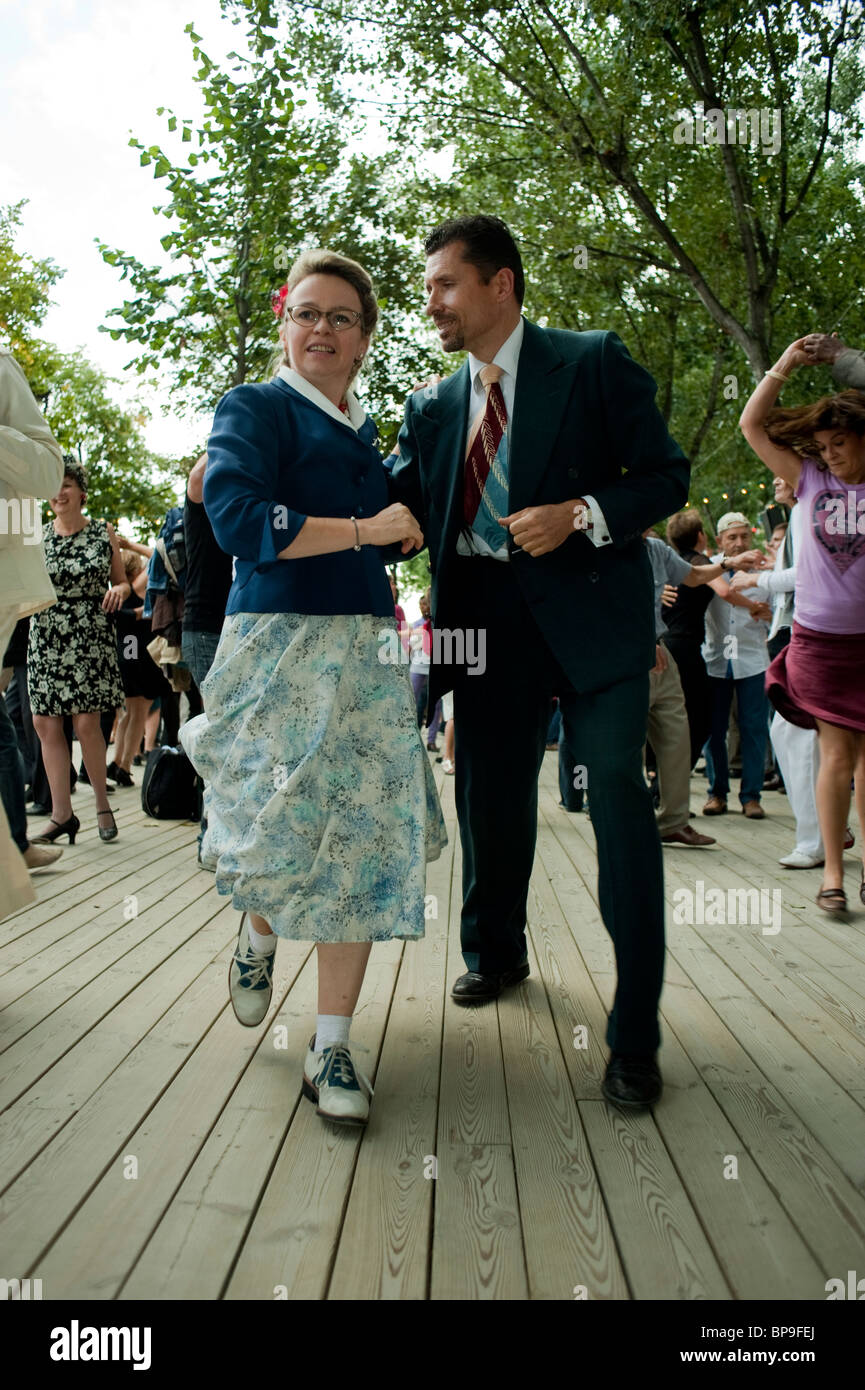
x=779, y=376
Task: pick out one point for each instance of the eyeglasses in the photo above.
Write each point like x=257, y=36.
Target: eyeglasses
x=308, y=317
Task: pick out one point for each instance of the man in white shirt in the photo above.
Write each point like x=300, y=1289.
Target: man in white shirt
x=736, y=659
x=31, y=467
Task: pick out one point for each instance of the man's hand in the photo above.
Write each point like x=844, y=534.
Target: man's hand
x=538, y=530
x=661, y=661
x=743, y=581
x=823, y=347
x=761, y=612
x=749, y=557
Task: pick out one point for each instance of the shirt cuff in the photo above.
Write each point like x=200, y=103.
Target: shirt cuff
x=599, y=534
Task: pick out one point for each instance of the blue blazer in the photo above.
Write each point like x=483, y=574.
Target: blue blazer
x=275, y=458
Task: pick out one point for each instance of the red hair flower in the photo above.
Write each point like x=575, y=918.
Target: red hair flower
x=277, y=300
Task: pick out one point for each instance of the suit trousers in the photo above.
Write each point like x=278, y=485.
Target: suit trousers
x=501, y=716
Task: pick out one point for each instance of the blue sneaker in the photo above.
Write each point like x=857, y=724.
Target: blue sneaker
x=338, y=1088
x=250, y=980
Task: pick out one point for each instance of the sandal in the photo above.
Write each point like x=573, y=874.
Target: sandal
x=832, y=900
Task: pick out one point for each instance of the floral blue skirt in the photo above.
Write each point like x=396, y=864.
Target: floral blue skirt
x=321, y=807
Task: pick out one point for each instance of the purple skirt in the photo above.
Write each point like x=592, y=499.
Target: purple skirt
x=820, y=675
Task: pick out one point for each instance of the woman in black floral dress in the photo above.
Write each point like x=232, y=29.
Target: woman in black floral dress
x=72, y=657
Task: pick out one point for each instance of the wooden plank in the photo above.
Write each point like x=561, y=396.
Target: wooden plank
x=100, y=1245
x=43, y=1110
x=822, y=1105
x=827, y=1209
x=52, y=922
x=566, y=1232
x=664, y=1248
x=119, y=950
x=157, y=897
x=56, y=1182
x=477, y=1240
x=754, y=1239
x=384, y=1247
x=292, y=1239
x=195, y=1240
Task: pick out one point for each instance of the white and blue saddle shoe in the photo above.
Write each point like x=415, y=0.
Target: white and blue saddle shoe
x=250, y=980
x=338, y=1088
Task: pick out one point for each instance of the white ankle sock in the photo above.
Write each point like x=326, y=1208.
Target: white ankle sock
x=330, y=1029
x=262, y=945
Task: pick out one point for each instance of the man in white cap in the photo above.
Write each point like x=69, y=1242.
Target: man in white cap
x=736, y=659
x=31, y=466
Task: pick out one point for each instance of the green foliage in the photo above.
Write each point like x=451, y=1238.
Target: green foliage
x=561, y=116
x=125, y=480
x=25, y=290
x=262, y=183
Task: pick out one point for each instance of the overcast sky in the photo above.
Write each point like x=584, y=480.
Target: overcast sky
x=79, y=76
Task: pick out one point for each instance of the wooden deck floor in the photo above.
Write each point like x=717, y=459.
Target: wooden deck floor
x=151, y=1148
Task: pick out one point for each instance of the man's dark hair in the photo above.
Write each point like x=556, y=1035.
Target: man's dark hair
x=488, y=245
x=683, y=530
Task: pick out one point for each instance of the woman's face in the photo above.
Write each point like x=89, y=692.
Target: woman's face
x=325, y=357
x=843, y=453
x=68, y=499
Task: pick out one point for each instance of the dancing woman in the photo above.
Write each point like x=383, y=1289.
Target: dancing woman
x=322, y=809
x=818, y=680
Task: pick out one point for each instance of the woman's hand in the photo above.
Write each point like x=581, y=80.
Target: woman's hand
x=794, y=356
x=115, y=597
x=395, y=523
x=669, y=595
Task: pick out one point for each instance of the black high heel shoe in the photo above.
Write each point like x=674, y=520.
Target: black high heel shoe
x=69, y=827
x=111, y=832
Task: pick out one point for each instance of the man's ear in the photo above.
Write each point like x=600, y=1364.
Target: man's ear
x=504, y=281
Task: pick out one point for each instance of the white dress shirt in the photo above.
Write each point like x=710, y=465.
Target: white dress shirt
x=507, y=358
x=780, y=582
x=735, y=642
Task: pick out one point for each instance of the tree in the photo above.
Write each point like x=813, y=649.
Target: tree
x=125, y=479
x=580, y=124
x=259, y=183
x=25, y=290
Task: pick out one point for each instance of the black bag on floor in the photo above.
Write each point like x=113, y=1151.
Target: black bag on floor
x=171, y=788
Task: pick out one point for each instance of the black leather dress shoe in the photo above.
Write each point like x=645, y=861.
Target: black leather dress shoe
x=632, y=1082
x=473, y=988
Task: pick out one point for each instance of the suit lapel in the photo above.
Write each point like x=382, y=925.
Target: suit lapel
x=441, y=430
x=544, y=381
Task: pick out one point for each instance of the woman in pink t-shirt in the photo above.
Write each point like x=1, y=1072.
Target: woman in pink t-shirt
x=818, y=681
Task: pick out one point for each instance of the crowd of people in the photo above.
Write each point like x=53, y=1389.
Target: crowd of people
x=264, y=598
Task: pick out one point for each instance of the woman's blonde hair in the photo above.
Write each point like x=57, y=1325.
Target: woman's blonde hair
x=133, y=563
x=321, y=262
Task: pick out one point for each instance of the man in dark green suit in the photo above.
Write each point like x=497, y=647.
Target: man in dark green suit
x=533, y=484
